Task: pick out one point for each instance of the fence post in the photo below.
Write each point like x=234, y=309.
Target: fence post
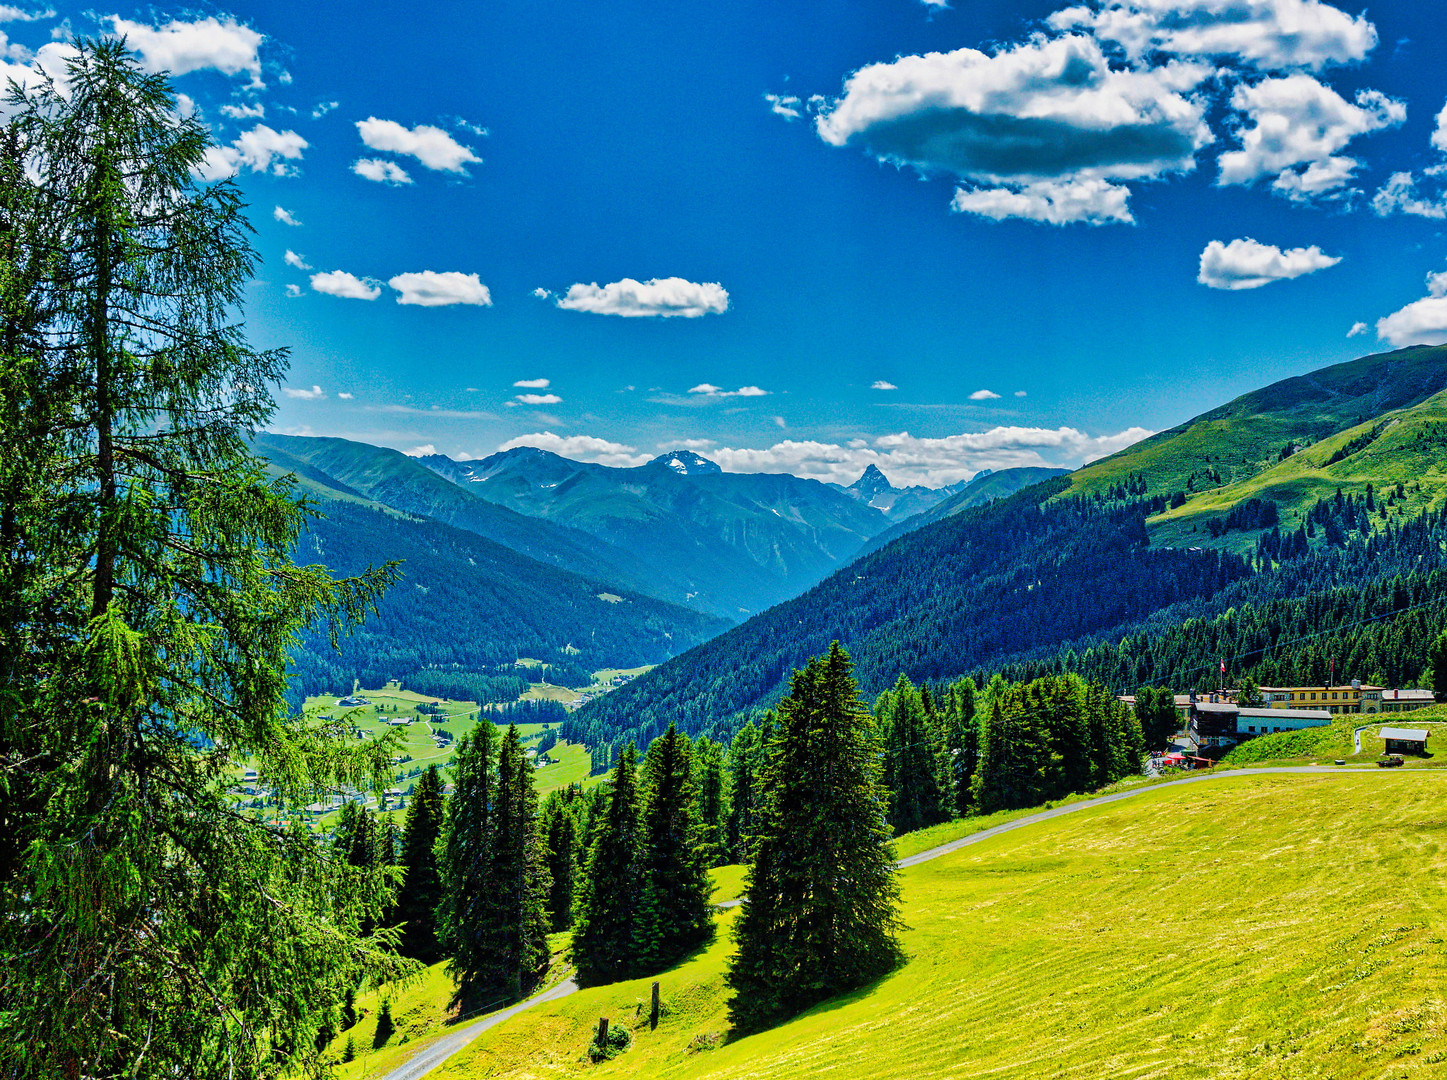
x=653, y=1015
x=602, y=1033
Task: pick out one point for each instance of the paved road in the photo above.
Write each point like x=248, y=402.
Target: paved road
x=448, y=1045
x=444, y=1048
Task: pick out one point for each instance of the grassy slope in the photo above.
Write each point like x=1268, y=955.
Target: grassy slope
x=1400, y=453
x=1245, y=435
x=1246, y=927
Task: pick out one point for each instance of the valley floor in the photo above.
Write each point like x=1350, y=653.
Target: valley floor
x=1252, y=925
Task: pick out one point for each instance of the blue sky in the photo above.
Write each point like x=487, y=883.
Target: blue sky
x=809, y=236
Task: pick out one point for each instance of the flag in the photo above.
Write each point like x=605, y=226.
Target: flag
x=1223, y=667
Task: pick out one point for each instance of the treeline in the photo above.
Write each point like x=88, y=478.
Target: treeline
x=1370, y=608
x=466, y=609
x=963, y=595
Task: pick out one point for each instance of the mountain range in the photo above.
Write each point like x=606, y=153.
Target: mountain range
x=529, y=554
x=1233, y=511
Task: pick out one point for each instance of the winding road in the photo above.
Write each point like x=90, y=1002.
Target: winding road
x=439, y=1051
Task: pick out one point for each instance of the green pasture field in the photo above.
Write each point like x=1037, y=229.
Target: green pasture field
x=1253, y=926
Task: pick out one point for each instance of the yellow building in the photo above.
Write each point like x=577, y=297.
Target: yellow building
x=1356, y=698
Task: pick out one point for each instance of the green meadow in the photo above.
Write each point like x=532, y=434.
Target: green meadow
x=1249, y=926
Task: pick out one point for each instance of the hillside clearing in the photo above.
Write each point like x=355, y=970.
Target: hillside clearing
x=1251, y=926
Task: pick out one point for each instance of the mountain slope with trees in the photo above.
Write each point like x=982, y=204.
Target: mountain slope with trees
x=733, y=543
x=1046, y=579
x=466, y=605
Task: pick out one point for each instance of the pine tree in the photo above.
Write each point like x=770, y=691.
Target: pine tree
x=420, y=891
x=674, y=913
x=465, y=915
x=909, y=759
x=560, y=826
x=605, y=918
x=821, y=909
x=708, y=769
x=743, y=767
x=1437, y=667
x=148, y=605
x=520, y=874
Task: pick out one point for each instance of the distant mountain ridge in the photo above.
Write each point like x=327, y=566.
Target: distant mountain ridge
x=873, y=489
x=729, y=543
x=1216, y=512
x=466, y=606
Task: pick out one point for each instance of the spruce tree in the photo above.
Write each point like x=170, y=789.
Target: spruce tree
x=149, y=601
x=465, y=915
x=909, y=759
x=520, y=874
x=822, y=904
x=743, y=766
x=1437, y=667
x=708, y=770
x=674, y=913
x=560, y=826
x=605, y=918
x=420, y=890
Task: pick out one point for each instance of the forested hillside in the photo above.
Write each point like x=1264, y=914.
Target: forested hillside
x=397, y=481
x=730, y=543
x=466, y=608
x=1263, y=533
x=972, y=589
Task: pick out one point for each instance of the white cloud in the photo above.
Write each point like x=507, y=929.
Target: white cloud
x=785, y=105
x=581, y=448
x=9, y=13
x=984, y=395
x=541, y=293
x=429, y=288
x=881, y=384
x=316, y=393
x=1093, y=202
x=261, y=150
x=254, y=110
x=324, y=107
x=286, y=217
x=425, y=450
x=181, y=47
x=1422, y=322
x=662, y=297
x=293, y=291
x=291, y=258
x=539, y=399
x=1020, y=393
x=1266, y=34
x=907, y=459
x=1246, y=264
x=1399, y=196
x=1044, y=111
x=345, y=397
x=1357, y=328
x=347, y=286
x=432, y=146
x=1439, y=134
x=533, y=384
x=1297, y=126
x=381, y=171
x=709, y=390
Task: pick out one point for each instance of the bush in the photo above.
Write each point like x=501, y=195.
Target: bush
x=619, y=1040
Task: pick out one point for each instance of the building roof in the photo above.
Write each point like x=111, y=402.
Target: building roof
x=1299, y=714
x=1283, y=689
x=1409, y=695
x=1405, y=734
x=1219, y=708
